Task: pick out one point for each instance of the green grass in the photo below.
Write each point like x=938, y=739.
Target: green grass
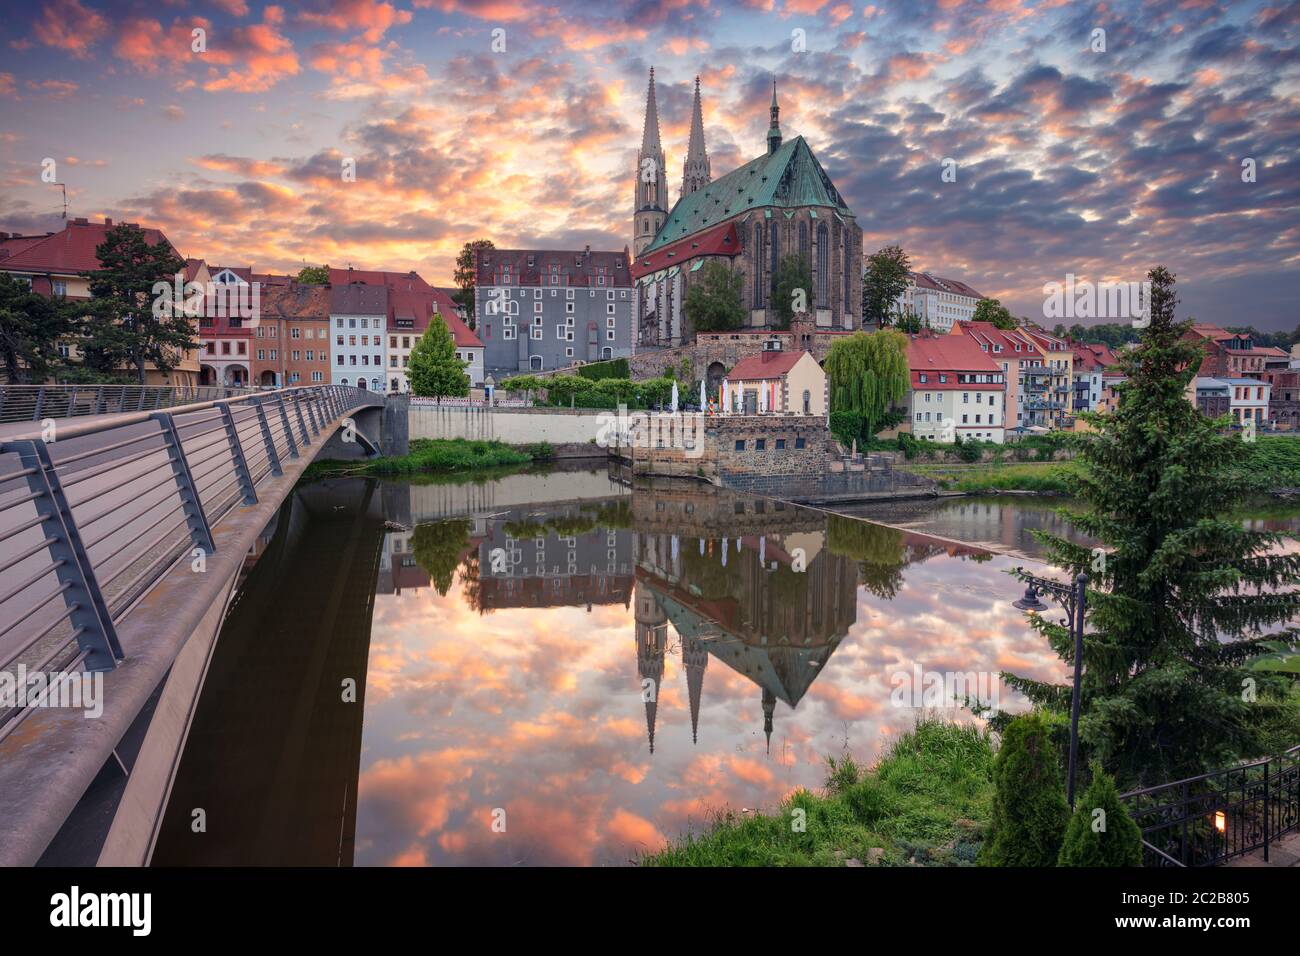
x=1044, y=476
x=927, y=801
x=1276, y=460
x=436, y=456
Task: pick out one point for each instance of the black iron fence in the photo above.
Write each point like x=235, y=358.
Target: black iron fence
x=1213, y=818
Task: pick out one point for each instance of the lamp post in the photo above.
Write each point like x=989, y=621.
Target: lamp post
x=1072, y=597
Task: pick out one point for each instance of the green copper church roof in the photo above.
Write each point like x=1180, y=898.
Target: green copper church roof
x=789, y=177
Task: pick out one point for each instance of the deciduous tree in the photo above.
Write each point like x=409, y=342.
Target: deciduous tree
x=868, y=375
x=435, y=372
x=884, y=280
x=713, y=302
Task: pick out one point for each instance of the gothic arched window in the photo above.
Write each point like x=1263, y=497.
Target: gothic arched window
x=758, y=265
x=803, y=241
x=823, y=266
x=848, y=258
x=776, y=254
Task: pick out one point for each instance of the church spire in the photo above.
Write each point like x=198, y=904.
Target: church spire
x=695, y=170
x=650, y=195
x=774, y=130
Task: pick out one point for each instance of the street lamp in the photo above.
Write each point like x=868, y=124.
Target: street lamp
x=1072, y=597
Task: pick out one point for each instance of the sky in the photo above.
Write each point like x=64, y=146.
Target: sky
x=519, y=121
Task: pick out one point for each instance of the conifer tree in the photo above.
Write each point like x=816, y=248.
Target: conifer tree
x=1101, y=833
x=1029, y=808
x=435, y=371
x=1181, y=594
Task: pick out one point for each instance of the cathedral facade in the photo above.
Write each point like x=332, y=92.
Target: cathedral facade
x=779, y=204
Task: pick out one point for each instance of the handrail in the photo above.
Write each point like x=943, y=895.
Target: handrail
x=71, y=586
x=37, y=402
x=1214, y=817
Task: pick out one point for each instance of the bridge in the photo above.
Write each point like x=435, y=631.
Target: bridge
x=126, y=515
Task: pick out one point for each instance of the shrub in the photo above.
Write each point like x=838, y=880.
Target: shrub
x=847, y=426
x=1118, y=843
x=1029, y=810
x=595, y=371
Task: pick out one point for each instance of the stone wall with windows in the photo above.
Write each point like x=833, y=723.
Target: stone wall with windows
x=740, y=445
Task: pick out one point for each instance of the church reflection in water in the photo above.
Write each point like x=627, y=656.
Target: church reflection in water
x=766, y=588
x=756, y=587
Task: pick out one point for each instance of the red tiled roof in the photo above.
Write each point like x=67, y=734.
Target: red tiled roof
x=12, y=245
x=986, y=333
x=763, y=365
x=946, y=353
x=928, y=280
x=719, y=240
x=70, y=251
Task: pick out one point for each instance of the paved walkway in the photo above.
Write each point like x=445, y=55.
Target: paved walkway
x=1285, y=852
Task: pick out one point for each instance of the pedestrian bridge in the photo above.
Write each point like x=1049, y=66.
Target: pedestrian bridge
x=122, y=535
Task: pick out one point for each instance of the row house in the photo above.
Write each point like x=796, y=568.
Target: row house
x=410, y=312
x=1058, y=362
x=58, y=263
x=1027, y=400
x=1231, y=354
x=1244, y=399
x=938, y=302
x=958, y=389
x=359, y=322
x=1091, y=360
x=290, y=342
x=226, y=333
x=538, y=310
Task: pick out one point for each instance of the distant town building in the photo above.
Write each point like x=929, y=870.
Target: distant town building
x=1017, y=355
x=1231, y=354
x=56, y=264
x=1245, y=399
x=1090, y=363
x=359, y=320
x=779, y=204
x=958, y=389
x=777, y=383
x=290, y=342
x=938, y=302
x=539, y=310
x=1058, y=362
x=410, y=312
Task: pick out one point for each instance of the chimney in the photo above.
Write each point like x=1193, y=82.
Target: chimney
x=80, y=221
x=108, y=222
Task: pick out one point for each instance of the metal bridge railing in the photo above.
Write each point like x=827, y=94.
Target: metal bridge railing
x=1213, y=818
x=91, y=520
x=34, y=403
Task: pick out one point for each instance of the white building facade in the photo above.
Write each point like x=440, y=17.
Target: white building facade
x=358, y=320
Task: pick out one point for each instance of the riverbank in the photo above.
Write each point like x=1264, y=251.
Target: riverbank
x=439, y=456
x=1273, y=458
x=927, y=802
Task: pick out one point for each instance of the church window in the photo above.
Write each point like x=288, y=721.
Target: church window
x=823, y=267
x=776, y=254
x=803, y=241
x=758, y=265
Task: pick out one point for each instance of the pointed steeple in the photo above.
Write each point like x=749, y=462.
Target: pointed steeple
x=650, y=187
x=695, y=658
x=769, y=705
x=650, y=133
x=774, y=130
x=695, y=170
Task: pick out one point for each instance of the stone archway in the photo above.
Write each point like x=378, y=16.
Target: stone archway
x=267, y=378
x=715, y=373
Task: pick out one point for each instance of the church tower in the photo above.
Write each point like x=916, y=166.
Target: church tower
x=774, y=130
x=650, y=205
x=695, y=170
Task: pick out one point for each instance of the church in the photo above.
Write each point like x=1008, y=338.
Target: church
x=778, y=204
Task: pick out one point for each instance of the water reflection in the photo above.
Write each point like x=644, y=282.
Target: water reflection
x=489, y=634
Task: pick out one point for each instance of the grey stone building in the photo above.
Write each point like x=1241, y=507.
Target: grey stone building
x=541, y=309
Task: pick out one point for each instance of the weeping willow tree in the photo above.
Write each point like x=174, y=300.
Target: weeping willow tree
x=868, y=375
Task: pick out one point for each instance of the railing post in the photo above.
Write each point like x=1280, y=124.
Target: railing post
x=1268, y=820
x=40, y=404
x=312, y=400
x=302, y=422
x=195, y=519
x=237, y=456
x=94, y=626
x=288, y=429
x=72, y=403
x=99, y=400
x=271, y=453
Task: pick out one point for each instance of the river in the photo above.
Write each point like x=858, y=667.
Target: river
x=555, y=669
